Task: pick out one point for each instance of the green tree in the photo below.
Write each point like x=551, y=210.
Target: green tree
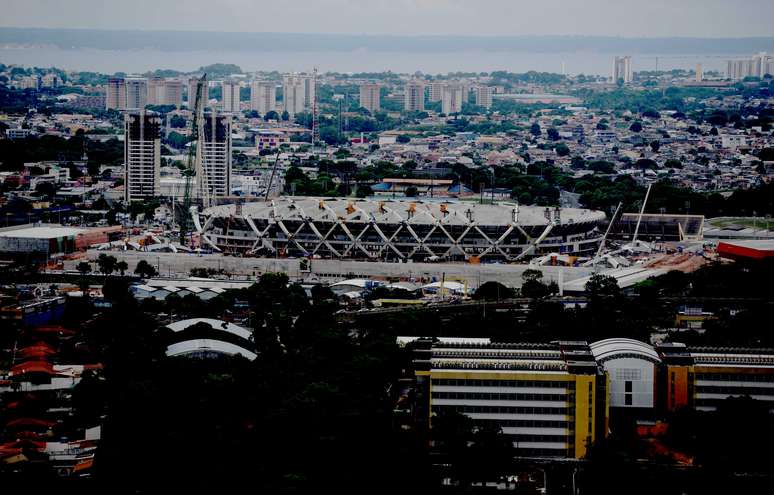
x=145, y=269
x=107, y=264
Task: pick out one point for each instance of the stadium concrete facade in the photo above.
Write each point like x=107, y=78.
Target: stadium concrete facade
x=398, y=229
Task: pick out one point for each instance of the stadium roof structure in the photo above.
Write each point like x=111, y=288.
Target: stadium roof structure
x=397, y=229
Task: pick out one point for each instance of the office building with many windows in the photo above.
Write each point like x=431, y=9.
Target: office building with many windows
x=142, y=155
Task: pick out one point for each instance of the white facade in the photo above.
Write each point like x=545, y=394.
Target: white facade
x=230, y=96
x=142, y=155
x=622, y=69
x=370, y=97
x=298, y=92
x=631, y=368
x=192, y=93
x=483, y=96
x=216, y=154
x=451, y=99
x=136, y=93
x=263, y=97
x=414, y=97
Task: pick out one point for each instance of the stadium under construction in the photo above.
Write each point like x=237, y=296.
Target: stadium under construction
x=397, y=229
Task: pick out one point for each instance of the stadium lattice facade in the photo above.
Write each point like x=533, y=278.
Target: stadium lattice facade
x=397, y=229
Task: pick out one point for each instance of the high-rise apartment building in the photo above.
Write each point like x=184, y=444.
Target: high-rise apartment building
x=142, y=155
x=216, y=153
x=699, y=73
x=435, y=91
x=136, y=93
x=298, y=93
x=370, y=97
x=155, y=91
x=483, y=96
x=263, y=97
x=414, y=97
x=173, y=93
x=115, y=94
x=230, y=92
x=452, y=98
x=622, y=70
x=192, y=92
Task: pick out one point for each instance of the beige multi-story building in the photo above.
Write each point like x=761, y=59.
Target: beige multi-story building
x=230, y=102
x=115, y=94
x=370, y=97
x=142, y=155
x=699, y=73
x=483, y=96
x=263, y=97
x=155, y=91
x=452, y=98
x=50, y=80
x=29, y=82
x=435, y=91
x=192, y=92
x=136, y=93
x=622, y=70
x=173, y=93
x=414, y=97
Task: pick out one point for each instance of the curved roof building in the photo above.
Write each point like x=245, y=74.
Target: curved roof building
x=207, y=337
x=397, y=229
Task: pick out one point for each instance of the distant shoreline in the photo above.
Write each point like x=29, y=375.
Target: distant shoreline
x=296, y=42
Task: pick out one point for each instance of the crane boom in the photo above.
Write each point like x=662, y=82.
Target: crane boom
x=194, y=156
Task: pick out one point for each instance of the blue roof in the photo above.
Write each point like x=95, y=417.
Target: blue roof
x=459, y=188
x=382, y=186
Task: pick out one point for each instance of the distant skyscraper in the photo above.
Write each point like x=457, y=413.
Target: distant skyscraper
x=263, y=97
x=699, y=73
x=622, y=69
x=192, y=92
x=115, y=94
x=142, y=155
x=295, y=90
x=483, y=96
x=230, y=96
x=435, y=91
x=414, y=97
x=452, y=98
x=370, y=97
x=136, y=93
x=216, y=153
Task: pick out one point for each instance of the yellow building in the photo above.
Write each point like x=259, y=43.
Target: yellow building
x=550, y=399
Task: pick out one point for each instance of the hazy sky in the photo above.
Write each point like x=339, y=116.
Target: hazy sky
x=631, y=18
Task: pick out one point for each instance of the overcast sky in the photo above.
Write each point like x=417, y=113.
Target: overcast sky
x=630, y=18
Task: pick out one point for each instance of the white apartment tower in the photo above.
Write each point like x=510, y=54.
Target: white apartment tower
x=263, y=97
x=192, y=93
x=622, y=70
x=142, y=155
x=230, y=96
x=414, y=97
x=483, y=96
x=115, y=94
x=452, y=98
x=216, y=153
x=136, y=93
x=298, y=92
x=370, y=97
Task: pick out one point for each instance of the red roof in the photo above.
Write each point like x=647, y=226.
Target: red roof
x=33, y=367
x=22, y=422
x=756, y=250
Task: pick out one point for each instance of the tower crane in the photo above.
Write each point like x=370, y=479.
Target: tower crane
x=194, y=163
